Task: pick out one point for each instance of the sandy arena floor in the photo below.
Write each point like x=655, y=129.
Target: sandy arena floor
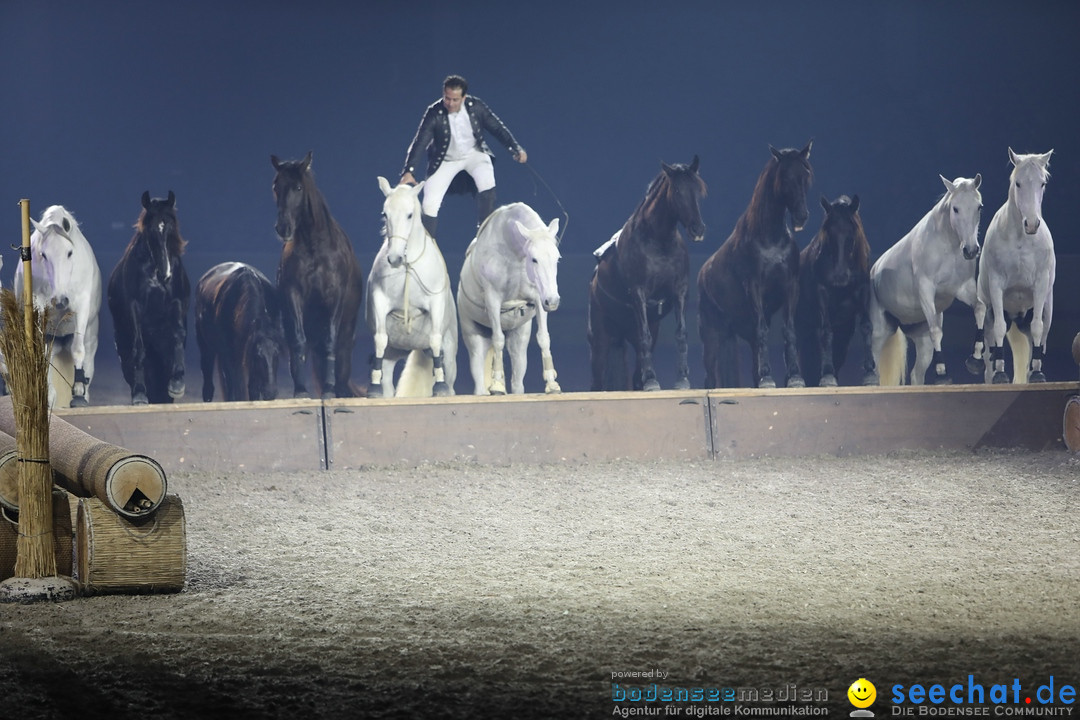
x=459, y=591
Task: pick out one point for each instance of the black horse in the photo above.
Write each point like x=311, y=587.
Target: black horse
x=319, y=282
x=641, y=277
x=238, y=327
x=148, y=297
x=754, y=274
x=834, y=294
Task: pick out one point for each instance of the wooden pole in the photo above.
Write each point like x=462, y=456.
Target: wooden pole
x=28, y=281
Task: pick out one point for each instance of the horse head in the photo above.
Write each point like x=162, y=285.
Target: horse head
x=964, y=203
x=401, y=218
x=51, y=248
x=263, y=353
x=541, y=250
x=1029, y=176
x=844, y=249
x=685, y=190
x=792, y=181
x=158, y=227
x=290, y=190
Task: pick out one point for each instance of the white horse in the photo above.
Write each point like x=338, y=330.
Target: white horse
x=410, y=304
x=916, y=279
x=509, y=277
x=1016, y=273
x=66, y=281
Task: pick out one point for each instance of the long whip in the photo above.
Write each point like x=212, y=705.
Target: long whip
x=566, y=215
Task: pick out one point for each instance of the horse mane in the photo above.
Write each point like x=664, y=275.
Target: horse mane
x=174, y=242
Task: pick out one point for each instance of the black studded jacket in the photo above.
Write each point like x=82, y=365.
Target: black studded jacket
x=434, y=134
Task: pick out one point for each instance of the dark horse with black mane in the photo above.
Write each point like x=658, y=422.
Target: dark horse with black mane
x=148, y=297
x=834, y=294
x=319, y=282
x=642, y=274
x=238, y=328
x=754, y=274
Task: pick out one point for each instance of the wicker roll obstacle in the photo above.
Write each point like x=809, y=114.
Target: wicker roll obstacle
x=116, y=554
x=131, y=484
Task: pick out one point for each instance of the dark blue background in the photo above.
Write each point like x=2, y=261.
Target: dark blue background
x=102, y=101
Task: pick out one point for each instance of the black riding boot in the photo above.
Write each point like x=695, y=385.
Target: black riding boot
x=485, y=204
x=430, y=222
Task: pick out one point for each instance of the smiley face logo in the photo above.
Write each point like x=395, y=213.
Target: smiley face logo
x=862, y=693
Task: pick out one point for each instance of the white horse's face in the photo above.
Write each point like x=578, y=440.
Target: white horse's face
x=1029, y=176
x=542, y=262
x=52, y=250
x=401, y=213
x=965, y=212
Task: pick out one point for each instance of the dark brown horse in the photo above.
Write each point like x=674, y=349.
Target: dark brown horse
x=754, y=274
x=319, y=282
x=641, y=277
x=834, y=294
x=148, y=297
x=238, y=328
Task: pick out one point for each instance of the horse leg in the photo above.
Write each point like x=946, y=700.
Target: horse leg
x=924, y=355
x=543, y=339
x=825, y=338
x=206, y=360
x=517, y=346
x=975, y=363
x=293, y=325
x=381, y=375
x=866, y=330
x=345, y=339
x=646, y=374
x=138, y=360
x=493, y=304
x=759, y=343
x=1041, y=315
x=682, y=347
x=78, y=357
x=791, y=342
x=998, y=327
x=597, y=339
x=934, y=321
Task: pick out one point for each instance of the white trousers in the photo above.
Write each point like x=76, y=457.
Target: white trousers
x=477, y=164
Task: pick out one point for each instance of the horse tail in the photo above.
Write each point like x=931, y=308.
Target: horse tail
x=1021, y=353
x=892, y=364
x=417, y=376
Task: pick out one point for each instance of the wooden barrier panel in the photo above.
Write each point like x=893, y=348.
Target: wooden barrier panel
x=249, y=436
x=856, y=420
x=518, y=429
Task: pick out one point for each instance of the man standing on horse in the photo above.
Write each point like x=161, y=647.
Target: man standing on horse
x=458, y=158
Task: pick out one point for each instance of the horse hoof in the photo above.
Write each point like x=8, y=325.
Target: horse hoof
x=139, y=399
x=943, y=380
x=767, y=383
x=552, y=388
x=1036, y=376
x=651, y=385
x=176, y=389
x=302, y=395
x=440, y=389
x=871, y=379
x=374, y=391
x=796, y=381
x=682, y=384
x=1000, y=378
x=329, y=395
x=78, y=401
x=975, y=366
x=497, y=389
x=827, y=381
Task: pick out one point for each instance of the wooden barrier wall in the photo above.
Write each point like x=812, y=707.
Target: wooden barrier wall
x=311, y=435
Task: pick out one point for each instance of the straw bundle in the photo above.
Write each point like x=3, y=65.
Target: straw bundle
x=27, y=380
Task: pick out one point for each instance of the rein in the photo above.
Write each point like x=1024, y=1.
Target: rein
x=411, y=272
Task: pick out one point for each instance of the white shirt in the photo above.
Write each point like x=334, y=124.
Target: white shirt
x=462, y=141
